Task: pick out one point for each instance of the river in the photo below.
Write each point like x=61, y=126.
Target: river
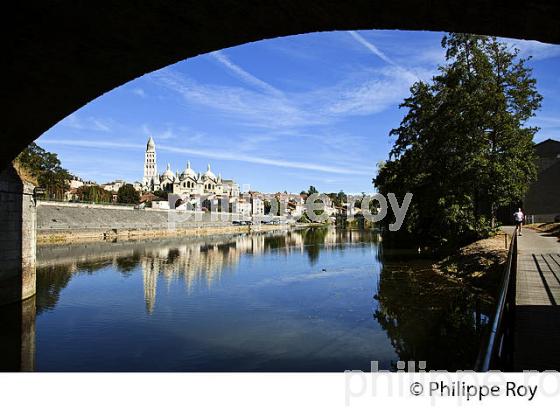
x=306, y=300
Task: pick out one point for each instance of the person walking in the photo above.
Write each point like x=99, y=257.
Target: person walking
x=519, y=217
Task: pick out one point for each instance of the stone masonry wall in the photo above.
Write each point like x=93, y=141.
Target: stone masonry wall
x=65, y=221
x=17, y=239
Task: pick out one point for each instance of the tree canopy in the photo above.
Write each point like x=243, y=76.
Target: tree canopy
x=94, y=193
x=45, y=169
x=464, y=148
x=128, y=195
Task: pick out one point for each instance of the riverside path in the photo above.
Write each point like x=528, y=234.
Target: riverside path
x=537, y=302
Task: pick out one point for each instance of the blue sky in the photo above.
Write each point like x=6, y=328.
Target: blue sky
x=280, y=114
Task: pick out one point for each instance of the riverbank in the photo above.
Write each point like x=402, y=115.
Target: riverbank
x=552, y=229
x=479, y=265
x=70, y=223
x=81, y=236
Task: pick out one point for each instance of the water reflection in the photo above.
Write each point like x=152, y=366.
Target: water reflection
x=305, y=300
x=194, y=262
x=17, y=341
x=430, y=318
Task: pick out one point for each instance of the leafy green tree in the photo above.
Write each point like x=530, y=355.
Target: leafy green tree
x=269, y=204
x=46, y=170
x=312, y=190
x=162, y=194
x=128, y=195
x=338, y=199
x=94, y=193
x=341, y=198
x=464, y=148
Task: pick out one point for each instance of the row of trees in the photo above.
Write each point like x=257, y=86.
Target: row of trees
x=339, y=199
x=464, y=148
x=44, y=169
x=94, y=193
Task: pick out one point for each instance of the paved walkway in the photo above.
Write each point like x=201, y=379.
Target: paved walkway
x=537, y=313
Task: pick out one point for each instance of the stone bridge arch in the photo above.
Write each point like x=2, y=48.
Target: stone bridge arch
x=59, y=55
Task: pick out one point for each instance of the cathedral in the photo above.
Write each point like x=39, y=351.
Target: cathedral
x=187, y=182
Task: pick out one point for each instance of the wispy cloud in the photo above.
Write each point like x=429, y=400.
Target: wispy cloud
x=241, y=105
x=374, y=50
x=245, y=75
x=88, y=123
x=534, y=49
x=362, y=92
x=371, y=47
x=166, y=133
x=139, y=92
x=214, y=154
x=547, y=121
x=383, y=89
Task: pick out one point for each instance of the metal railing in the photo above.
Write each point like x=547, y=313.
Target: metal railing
x=497, y=351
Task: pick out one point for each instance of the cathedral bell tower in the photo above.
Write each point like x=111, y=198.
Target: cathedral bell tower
x=150, y=165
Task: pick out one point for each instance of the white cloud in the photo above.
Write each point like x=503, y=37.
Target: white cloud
x=374, y=50
x=373, y=95
x=139, y=92
x=547, y=121
x=244, y=75
x=87, y=124
x=166, y=134
x=535, y=49
x=371, y=47
x=214, y=154
x=363, y=92
x=242, y=105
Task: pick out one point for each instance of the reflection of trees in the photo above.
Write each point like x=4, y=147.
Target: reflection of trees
x=429, y=318
x=313, y=239
x=275, y=242
x=92, y=266
x=126, y=264
x=195, y=262
x=50, y=282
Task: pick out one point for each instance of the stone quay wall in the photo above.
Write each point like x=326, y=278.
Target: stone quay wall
x=78, y=222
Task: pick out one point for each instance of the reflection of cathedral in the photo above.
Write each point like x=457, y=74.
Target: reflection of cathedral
x=197, y=264
x=203, y=263
x=187, y=182
x=150, y=274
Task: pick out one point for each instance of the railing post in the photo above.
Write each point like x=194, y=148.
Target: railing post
x=497, y=352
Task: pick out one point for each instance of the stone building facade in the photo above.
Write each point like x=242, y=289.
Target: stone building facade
x=542, y=202
x=188, y=182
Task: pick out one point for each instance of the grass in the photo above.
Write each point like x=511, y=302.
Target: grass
x=551, y=228
x=479, y=264
x=25, y=174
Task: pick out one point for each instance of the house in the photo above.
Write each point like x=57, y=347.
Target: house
x=542, y=201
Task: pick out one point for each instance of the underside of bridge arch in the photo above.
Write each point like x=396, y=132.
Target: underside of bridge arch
x=61, y=54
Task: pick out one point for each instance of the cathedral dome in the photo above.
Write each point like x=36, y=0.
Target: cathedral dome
x=188, y=172
x=209, y=174
x=168, y=174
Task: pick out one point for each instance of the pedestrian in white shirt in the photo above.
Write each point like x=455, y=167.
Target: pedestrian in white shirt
x=519, y=217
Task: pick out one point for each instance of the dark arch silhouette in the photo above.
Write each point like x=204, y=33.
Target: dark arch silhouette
x=59, y=55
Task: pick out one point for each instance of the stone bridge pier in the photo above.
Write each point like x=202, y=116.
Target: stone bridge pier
x=17, y=343
x=17, y=238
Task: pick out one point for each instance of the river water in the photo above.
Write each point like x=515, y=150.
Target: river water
x=305, y=300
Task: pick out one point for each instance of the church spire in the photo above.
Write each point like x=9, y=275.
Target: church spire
x=150, y=164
